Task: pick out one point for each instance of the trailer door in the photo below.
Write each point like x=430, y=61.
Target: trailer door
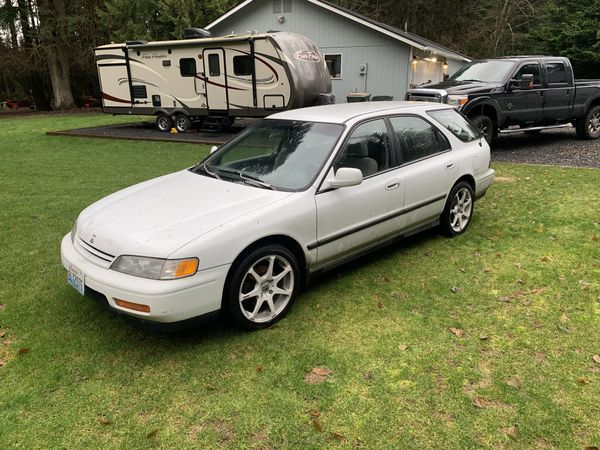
x=114, y=84
x=215, y=73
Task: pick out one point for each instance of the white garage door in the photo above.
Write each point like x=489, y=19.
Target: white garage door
x=425, y=71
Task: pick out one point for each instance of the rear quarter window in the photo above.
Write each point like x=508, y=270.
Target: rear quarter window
x=456, y=123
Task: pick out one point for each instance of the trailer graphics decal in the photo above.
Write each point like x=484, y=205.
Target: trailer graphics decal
x=307, y=55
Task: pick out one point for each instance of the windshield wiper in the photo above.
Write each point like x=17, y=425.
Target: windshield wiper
x=210, y=172
x=255, y=181
x=479, y=81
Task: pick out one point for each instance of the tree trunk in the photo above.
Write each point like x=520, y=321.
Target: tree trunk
x=60, y=77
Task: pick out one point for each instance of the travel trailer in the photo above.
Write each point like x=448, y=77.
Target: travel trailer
x=212, y=80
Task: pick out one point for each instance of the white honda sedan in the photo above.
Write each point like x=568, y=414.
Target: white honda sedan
x=297, y=194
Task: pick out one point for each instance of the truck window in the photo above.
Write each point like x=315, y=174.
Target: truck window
x=242, y=65
x=214, y=65
x=417, y=138
x=531, y=69
x=187, y=67
x=557, y=74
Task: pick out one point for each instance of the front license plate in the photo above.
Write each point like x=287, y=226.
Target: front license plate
x=76, y=278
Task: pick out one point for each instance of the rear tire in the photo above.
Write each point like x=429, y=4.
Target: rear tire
x=485, y=125
x=458, y=210
x=262, y=287
x=163, y=123
x=588, y=127
x=182, y=123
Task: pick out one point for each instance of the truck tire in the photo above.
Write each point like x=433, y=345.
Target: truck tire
x=182, y=123
x=486, y=125
x=163, y=122
x=588, y=127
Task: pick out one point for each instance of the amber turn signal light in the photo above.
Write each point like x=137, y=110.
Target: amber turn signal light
x=186, y=267
x=131, y=305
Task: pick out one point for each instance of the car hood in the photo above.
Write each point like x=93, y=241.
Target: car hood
x=460, y=87
x=157, y=217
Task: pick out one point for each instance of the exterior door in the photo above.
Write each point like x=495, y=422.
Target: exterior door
x=215, y=74
x=525, y=106
x=559, y=93
x=353, y=218
x=429, y=169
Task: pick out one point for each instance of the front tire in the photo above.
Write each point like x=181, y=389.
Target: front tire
x=262, y=287
x=485, y=125
x=458, y=210
x=588, y=127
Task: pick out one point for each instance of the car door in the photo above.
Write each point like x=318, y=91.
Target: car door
x=428, y=171
x=559, y=93
x=524, y=107
x=351, y=219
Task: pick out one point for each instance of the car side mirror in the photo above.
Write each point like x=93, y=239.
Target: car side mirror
x=213, y=149
x=524, y=83
x=345, y=177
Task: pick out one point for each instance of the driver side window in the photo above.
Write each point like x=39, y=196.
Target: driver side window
x=367, y=149
x=533, y=69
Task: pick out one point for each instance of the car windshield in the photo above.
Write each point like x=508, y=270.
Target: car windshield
x=275, y=154
x=484, y=71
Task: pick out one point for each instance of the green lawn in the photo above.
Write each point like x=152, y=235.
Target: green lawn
x=520, y=290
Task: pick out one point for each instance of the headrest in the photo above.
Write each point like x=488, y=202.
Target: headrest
x=357, y=149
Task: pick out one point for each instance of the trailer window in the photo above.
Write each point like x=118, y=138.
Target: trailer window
x=214, y=65
x=187, y=67
x=242, y=65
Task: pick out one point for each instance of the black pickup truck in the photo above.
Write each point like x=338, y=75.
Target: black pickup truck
x=519, y=93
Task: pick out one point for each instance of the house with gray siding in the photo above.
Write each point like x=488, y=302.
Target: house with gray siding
x=363, y=56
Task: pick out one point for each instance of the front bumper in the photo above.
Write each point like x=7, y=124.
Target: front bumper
x=169, y=300
x=483, y=181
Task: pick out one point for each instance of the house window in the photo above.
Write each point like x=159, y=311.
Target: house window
x=214, y=65
x=187, y=67
x=334, y=64
x=242, y=65
x=282, y=6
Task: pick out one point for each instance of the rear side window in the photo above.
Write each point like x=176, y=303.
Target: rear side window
x=418, y=139
x=187, y=67
x=456, y=123
x=557, y=74
x=242, y=65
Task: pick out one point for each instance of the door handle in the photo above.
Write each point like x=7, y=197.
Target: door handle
x=449, y=165
x=394, y=184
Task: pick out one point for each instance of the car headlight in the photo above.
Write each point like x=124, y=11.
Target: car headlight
x=155, y=268
x=457, y=100
x=73, y=232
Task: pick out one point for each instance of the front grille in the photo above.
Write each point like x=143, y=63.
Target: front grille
x=94, y=254
x=434, y=98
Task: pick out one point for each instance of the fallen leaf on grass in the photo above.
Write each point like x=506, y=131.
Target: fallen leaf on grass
x=317, y=426
x=463, y=270
x=338, y=437
x=2, y=334
x=487, y=270
x=2, y=362
x=511, y=432
x=2, y=307
x=152, y=434
x=455, y=289
x=456, y=331
x=104, y=421
x=479, y=402
x=582, y=381
x=514, y=382
x=596, y=359
x=317, y=375
x=314, y=413
x=546, y=258
x=403, y=347
x=594, y=238
x=368, y=375
x=592, y=447
x=563, y=329
x=260, y=368
x=23, y=351
x=504, y=299
x=385, y=279
x=483, y=337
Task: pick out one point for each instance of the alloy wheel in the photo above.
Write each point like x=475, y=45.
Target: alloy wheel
x=460, y=210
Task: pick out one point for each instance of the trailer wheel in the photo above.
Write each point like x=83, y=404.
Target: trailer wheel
x=163, y=122
x=182, y=123
x=227, y=122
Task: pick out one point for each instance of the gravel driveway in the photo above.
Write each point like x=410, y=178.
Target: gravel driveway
x=559, y=147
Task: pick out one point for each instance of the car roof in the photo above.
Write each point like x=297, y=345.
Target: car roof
x=345, y=112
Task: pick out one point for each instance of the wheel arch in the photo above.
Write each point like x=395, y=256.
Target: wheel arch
x=281, y=239
x=468, y=178
x=594, y=101
x=484, y=107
